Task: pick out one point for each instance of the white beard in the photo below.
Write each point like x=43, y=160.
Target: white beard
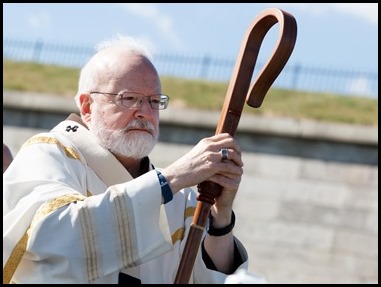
x=132, y=144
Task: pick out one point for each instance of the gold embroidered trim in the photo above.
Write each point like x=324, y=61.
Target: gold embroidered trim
x=56, y=203
x=70, y=152
x=126, y=244
x=189, y=212
x=179, y=233
x=90, y=249
x=19, y=250
x=14, y=259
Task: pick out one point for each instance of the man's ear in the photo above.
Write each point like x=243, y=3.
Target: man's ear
x=85, y=102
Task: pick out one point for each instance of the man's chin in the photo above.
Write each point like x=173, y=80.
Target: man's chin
x=136, y=151
x=141, y=132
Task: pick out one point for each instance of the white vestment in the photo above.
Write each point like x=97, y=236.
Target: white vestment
x=84, y=219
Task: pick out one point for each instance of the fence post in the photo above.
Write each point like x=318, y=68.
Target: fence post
x=294, y=84
x=204, y=67
x=37, y=51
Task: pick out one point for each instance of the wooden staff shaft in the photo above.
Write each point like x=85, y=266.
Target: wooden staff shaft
x=234, y=102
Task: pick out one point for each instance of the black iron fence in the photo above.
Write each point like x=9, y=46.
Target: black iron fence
x=297, y=77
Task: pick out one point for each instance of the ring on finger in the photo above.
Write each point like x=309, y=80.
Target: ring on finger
x=224, y=154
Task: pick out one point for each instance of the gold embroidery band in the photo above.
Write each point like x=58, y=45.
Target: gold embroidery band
x=19, y=250
x=70, y=152
x=14, y=260
x=179, y=233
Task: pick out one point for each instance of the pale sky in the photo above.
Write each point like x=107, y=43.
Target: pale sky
x=330, y=35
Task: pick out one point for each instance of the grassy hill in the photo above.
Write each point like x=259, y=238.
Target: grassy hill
x=22, y=76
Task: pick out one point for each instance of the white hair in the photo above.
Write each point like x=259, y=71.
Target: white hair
x=124, y=41
x=89, y=77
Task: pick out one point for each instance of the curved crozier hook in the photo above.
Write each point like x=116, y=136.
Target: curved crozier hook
x=238, y=89
x=281, y=54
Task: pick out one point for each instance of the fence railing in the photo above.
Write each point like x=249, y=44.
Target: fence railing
x=297, y=77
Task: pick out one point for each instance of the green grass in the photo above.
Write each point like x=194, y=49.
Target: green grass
x=22, y=76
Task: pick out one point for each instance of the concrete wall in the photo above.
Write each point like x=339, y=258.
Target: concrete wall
x=279, y=136
x=302, y=219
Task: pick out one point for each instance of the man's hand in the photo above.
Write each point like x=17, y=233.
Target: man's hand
x=203, y=162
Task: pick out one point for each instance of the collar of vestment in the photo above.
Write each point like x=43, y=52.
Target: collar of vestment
x=100, y=159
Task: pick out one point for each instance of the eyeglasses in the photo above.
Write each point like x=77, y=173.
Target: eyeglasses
x=135, y=100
